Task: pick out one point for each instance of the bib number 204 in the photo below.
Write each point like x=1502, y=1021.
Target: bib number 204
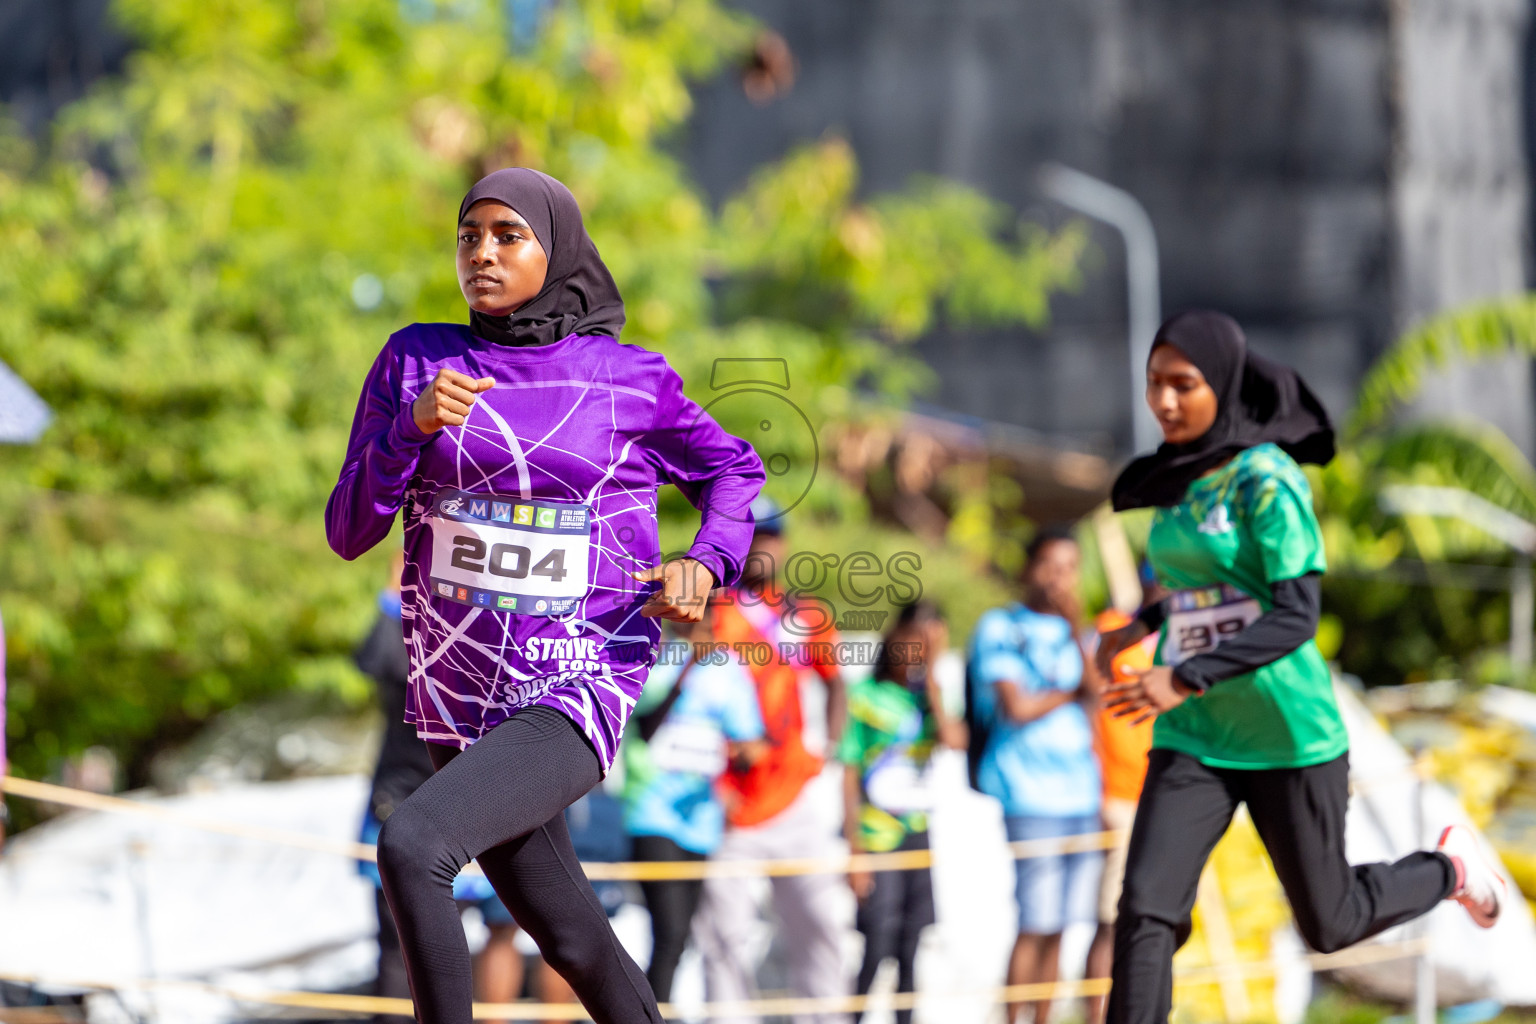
x=509, y=560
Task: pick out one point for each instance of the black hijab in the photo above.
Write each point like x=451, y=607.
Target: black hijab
x=579, y=296
x=1258, y=401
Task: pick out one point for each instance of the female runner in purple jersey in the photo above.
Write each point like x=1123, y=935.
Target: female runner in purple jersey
x=523, y=454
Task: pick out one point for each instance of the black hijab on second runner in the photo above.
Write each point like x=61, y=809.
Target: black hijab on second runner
x=1258, y=401
x=579, y=296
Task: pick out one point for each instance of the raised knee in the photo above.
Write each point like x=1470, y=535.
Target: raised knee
x=1323, y=938
x=573, y=957
x=410, y=844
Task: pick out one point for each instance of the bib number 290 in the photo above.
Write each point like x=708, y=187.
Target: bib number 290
x=1203, y=619
x=509, y=561
x=1199, y=637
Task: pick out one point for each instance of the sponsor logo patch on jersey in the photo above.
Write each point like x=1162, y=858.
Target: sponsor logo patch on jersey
x=1217, y=522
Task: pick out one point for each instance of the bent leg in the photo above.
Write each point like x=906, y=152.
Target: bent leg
x=540, y=880
x=1185, y=807
x=392, y=982
x=500, y=790
x=1299, y=814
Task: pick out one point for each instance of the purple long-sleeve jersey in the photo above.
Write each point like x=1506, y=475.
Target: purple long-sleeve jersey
x=522, y=526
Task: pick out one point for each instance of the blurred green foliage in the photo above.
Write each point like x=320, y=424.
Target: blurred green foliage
x=1415, y=597
x=200, y=261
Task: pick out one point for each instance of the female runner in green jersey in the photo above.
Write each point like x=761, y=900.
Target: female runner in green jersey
x=1244, y=702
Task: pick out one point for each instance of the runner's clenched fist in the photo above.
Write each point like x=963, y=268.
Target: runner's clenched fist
x=685, y=587
x=446, y=401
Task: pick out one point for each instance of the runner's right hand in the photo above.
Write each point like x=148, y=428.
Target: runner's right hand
x=446, y=401
x=1115, y=641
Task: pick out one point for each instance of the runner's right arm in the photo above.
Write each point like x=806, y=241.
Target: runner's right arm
x=387, y=437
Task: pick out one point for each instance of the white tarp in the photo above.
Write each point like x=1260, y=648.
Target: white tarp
x=23, y=416
x=1385, y=823
x=116, y=897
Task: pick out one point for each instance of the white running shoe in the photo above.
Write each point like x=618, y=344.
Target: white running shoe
x=1482, y=888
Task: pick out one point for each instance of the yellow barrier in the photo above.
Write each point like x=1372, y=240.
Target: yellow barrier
x=906, y=860
x=1356, y=957
x=630, y=871
x=1218, y=974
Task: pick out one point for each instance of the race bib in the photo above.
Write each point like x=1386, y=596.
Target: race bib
x=694, y=748
x=898, y=785
x=1202, y=618
x=509, y=554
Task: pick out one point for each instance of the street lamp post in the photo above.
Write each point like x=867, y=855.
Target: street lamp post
x=1123, y=212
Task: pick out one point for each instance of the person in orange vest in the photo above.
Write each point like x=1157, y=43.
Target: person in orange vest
x=1122, y=747
x=783, y=640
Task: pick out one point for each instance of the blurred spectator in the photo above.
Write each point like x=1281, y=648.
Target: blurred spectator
x=1122, y=748
x=697, y=714
x=768, y=807
x=1029, y=680
x=895, y=718
x=402, y=766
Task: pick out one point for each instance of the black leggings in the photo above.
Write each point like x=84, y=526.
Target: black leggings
x=391, y=982
x=501, y=802
x=672, y=904
x=1299, y=814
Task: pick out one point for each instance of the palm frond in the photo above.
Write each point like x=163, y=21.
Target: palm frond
x=1471, y=332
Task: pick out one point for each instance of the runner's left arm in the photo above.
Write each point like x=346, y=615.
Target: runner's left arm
x=1289, y=623
x=381, y=458
x=1278, y=519
x=717, y=473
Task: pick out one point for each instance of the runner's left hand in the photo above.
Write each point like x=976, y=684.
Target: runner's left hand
x=685, y=587
x=1151, y=692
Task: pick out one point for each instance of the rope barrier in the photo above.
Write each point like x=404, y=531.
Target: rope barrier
x=637, y=871
x=47, y=792
x=623, y=871
x=780, y=1006
x=1358, y=956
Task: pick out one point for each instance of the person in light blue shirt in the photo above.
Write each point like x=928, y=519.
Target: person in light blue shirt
x=697, y=714
x=1028, y=678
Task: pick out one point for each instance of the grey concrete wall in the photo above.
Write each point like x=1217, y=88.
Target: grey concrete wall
x=50, y=53
x=1460, y=186
x=1263, y=138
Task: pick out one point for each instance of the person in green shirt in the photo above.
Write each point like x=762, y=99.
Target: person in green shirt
x=895, y=719
x=1243, y=700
